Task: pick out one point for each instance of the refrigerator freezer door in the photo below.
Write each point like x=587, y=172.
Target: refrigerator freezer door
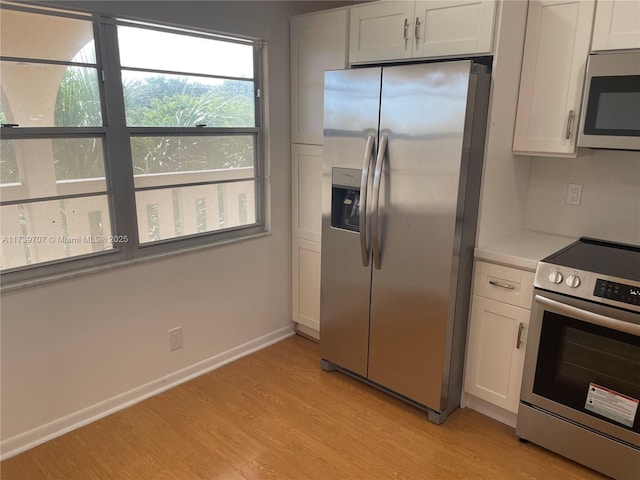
x=422, y=113
x=351, y=109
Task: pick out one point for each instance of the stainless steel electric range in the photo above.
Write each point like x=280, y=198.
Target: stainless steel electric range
x=581, y=386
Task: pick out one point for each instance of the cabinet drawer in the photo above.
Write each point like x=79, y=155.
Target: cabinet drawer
x=504, y=284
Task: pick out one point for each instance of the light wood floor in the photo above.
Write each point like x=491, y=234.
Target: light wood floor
x=276, y=415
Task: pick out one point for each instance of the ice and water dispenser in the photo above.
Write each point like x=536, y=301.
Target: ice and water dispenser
x=345, y=198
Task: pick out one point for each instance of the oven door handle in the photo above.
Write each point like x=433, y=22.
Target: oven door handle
x=589, y=317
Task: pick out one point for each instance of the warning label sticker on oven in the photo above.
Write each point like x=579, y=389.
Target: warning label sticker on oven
x=612, y=405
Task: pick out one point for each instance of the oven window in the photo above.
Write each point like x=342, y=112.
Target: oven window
x=579, y=362
x=613, y=107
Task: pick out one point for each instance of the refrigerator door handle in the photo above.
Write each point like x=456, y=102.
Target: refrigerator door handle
x=377, y=176
x=364, y=184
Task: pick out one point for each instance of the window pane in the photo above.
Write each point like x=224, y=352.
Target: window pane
x=43, y=231
x=37, y=95
x=9, y=172
x=46, y=37
x=174, y=212
x=156, y=100
x=49, y=167
x=171, y=160
x=173, y=52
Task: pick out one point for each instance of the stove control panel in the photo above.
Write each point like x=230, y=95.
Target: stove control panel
x=618, y=292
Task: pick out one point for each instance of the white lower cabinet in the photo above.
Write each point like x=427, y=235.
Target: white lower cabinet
x=306, y=283
x=498, y=326
x=496, y=345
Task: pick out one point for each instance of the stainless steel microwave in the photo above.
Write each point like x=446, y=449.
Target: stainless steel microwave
x=611, y=102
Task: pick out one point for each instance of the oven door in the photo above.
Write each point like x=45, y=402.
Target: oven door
x=583, y=364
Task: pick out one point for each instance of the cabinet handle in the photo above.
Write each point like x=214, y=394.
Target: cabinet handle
x=569, y=122
x=519, y=340
x=416, y=30
x=501, y=285
x=406, y=30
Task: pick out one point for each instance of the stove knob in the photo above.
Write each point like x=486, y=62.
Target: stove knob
x=555, y=277
x=573, y=281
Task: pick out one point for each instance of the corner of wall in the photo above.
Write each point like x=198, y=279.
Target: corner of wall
x=505, y=176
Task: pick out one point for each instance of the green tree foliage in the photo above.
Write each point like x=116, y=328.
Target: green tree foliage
x=157, y=101
x=78, y=100
x=8, y=165
x=78, y=105
x=167, y=101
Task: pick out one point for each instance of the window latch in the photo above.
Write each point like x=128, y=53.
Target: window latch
x=10, y=125
x=201, y=125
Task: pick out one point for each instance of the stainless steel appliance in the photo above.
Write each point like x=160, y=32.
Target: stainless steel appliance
x=611, y=103
x=581, y=385
x=403, y=149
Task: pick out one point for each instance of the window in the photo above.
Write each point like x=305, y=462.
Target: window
x=122, y=139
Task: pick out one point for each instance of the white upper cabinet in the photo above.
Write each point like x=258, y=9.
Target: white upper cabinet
x=617, y=25
x=556, y=48
x=318, y=43
x=453, y=27
x=381, y=31
x=399, y=30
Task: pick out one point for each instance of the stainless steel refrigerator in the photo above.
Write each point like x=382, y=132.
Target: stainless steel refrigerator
x=403, y=150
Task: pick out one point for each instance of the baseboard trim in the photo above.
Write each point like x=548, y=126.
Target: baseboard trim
x=310, y=333
x=490, y=410
x=19, y=443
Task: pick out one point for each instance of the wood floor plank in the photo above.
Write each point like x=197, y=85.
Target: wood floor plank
x=276, y=415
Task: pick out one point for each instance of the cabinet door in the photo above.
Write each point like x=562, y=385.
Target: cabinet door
x=555, y=55
x=318, y=43
x=617, y=25
x=495, y=352
x=306, y=191
x=306, y=283
x=381, y=31
x=459, y=27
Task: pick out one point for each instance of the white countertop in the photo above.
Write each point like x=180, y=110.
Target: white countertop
x=522, y=249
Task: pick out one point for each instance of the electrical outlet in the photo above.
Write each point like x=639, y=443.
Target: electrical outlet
x=574, y=194
x=175, y=338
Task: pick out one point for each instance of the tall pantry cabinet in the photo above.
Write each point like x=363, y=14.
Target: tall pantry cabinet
x=318, y=43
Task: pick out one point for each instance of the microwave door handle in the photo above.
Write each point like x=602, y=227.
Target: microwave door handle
x=589, y=317
x=364, y=184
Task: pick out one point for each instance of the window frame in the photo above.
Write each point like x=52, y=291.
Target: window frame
x=119, y=174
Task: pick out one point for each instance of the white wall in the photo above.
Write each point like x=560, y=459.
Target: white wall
x=70, y=346
x=505, y=176
x=610, y=206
